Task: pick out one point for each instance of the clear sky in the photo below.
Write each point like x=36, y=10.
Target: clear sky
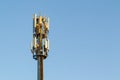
x=84, y=37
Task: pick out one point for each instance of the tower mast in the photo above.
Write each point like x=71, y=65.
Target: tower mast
x=40, y=42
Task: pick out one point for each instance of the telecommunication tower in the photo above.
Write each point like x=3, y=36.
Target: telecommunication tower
x=40, y=42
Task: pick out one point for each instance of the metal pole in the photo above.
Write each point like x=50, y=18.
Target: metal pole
x=40, y=68
x=40, y=56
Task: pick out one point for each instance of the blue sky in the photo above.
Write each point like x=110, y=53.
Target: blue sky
x=84, y=39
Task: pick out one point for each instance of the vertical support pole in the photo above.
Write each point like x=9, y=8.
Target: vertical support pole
x=40, y=54
x=40, y=68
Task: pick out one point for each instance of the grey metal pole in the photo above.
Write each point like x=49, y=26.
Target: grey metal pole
x=40, y=56
x=40, y=68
